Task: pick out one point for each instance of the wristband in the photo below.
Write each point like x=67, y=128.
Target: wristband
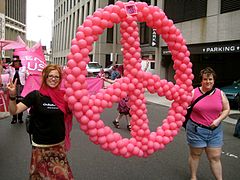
x=12, y=98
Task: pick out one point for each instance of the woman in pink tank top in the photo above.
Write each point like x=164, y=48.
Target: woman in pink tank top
x=204, y=130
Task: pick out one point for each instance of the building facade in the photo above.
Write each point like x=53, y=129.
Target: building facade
x=12, y=19
x=212, y=32
x=210, y=28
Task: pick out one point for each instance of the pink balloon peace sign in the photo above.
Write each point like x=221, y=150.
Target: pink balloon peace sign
x=87, y=108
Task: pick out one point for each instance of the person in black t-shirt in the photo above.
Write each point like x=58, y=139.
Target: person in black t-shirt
x=51, y=118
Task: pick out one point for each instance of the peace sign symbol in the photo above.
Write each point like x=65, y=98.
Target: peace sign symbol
x=87, y=108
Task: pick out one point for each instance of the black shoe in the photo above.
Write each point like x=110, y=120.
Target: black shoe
x=14, y=121
x=20, y=121
x=236, y=135
x=129, y=127
x=116, y=124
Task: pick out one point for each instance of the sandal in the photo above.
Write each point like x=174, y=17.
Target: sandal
x=116, y=124
x=129, y=127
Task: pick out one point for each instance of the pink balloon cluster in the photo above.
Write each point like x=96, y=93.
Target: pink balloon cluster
x=87, y=108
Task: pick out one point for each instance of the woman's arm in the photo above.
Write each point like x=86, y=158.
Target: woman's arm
x=108, y=80
x=224, y=113
x=13, y=107
x=16, y=108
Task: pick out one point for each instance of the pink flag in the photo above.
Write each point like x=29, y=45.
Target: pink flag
x=33, y=82
x=94, y=85
x=5, y=79
x=19, y=44
x=32, y=58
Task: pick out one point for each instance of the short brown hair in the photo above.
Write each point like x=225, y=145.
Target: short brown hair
x=47, y=70
x=208, y=71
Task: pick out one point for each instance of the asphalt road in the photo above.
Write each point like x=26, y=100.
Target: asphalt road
x=89, y=162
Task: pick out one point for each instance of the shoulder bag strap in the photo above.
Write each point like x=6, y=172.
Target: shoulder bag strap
x=202, y=96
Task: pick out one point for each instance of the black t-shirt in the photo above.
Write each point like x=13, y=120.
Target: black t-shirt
x=48, y=120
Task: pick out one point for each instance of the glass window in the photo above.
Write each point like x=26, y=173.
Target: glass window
x=94, y=65
x=110, y=2
x=110, y=35
x=144, y=33
x=229, y=5
x=185, y=10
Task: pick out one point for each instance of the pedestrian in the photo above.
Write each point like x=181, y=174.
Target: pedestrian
x=101, y=73
x=17, y=72
x=115, y=74
x=51, y=124
x=204, y=129
x=123, y=106
x=123, y=110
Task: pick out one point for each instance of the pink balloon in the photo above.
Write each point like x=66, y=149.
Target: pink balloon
x=70, y=78
x=87, y=31
x=74, y=49
x=80, y=35
x=87, y=108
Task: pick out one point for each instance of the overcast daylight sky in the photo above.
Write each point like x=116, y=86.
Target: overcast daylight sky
x=39, y=20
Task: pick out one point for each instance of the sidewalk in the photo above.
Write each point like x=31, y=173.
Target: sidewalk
x=154, y=98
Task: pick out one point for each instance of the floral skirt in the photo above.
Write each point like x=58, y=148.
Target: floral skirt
x=50, y=163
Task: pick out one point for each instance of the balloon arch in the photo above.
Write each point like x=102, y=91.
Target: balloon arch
x=87, y=108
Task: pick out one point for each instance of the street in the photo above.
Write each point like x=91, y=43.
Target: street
x=89, y=162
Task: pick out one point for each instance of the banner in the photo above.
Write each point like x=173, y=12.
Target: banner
x=94, y=85
x=33, y=82
x=32, y=58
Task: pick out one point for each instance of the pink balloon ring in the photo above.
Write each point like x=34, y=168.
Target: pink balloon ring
x=87, y=108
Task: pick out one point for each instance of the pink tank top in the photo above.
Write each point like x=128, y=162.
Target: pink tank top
x=207, y=109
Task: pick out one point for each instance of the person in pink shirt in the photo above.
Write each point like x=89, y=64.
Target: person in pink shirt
x=204, y=130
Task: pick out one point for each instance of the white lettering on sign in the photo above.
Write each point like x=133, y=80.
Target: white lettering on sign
x=220, y=49
x=34, y=64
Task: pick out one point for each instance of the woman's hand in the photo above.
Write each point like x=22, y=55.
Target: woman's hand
x=215, y=123
x=102, y=77
x=12, y=88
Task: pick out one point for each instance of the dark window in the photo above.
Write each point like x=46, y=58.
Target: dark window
x=110, y=35
x=152, y=65
x=82, y=14
x=94, y=6
x=64, y=8
x=144, y=33
x=147, y=1
x=229, y=5
x=78, y=14
x=185, y=10
x=73, y=26
x=70, y=4
x=108, y=60
x=91, y=57
x=88, y=8
x=110, y=2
